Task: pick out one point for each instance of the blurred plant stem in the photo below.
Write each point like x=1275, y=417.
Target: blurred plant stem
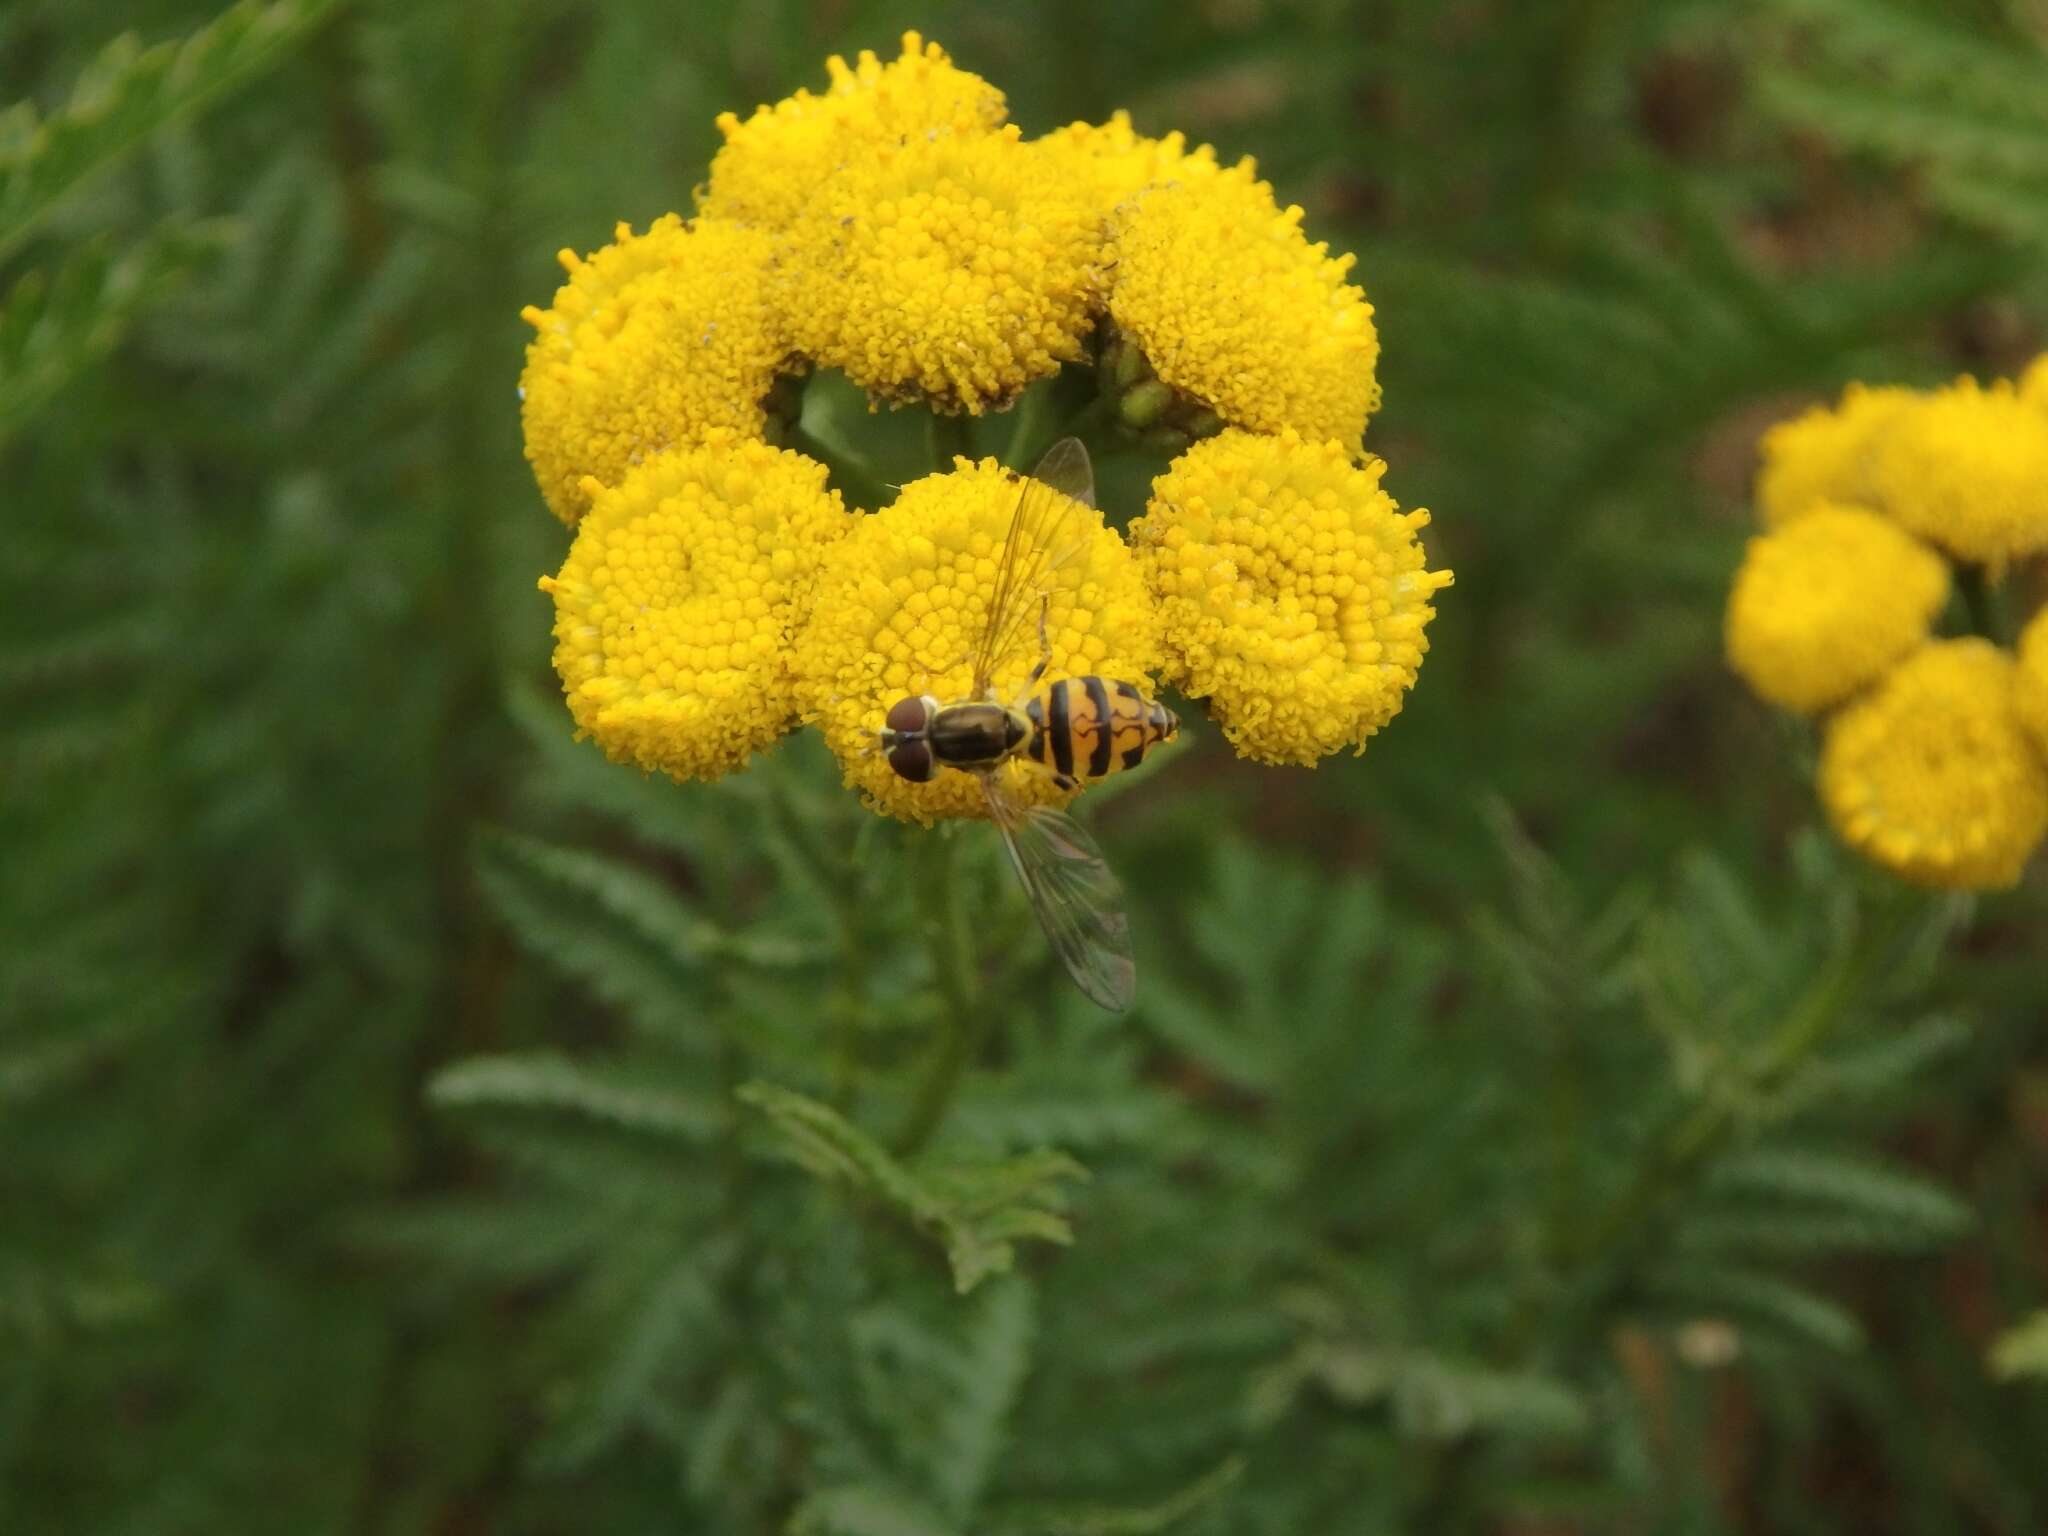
x=961, y=1022
x=839, y=881
x=1981, y=603
x=1091, y=418
x=1698, y=1133
x=1026, y=429
x=948, y=437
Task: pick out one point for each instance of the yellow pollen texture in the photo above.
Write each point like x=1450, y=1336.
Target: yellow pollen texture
x=774, y=161
x=1293, y=592
x=901, y=606
x=1120, y=162
x=1931, y=775
x=1822, y=457
x=676, y=606
x=2034, y=383
x=1233, y=307
x=654, y=341
x=1824, y=604
x=950, y=269
x=1967, y=469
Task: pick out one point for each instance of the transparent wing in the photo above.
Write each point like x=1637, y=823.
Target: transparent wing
x=1078, y=901
x=1066, y=469
x=1045, y=531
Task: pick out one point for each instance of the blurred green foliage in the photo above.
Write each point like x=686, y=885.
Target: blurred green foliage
x=413, y=1124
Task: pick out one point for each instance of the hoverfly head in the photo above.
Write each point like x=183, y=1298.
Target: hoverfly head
x=906, y=737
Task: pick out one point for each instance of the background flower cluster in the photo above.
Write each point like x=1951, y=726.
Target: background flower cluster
x=1883, y=514
x=896, y=228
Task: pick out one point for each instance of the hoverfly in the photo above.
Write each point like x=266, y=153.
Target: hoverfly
x=1072, y=728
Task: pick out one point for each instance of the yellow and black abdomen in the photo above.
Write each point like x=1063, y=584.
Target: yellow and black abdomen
x=1090, y=727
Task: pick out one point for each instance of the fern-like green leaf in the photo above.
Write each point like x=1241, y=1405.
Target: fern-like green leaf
x=128, y=94
x=618, y=930
x=1935, y=94
x=866, y=1510
x=678, y=1306
x=1892, y=1066
x=1864, y=1189
x=54, y=327
x=1439, y=1399
x=546, y=1082
x=989, y=1374
x=978, y=1211
x=1146, y=1520
x=1752, y=1296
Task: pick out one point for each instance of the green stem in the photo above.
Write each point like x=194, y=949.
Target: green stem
x=853, y=477
x=1981, y=603
x=1028, y=427
x=839, y=883
x=949, y=437
x=1704, y=1130
x=961, y=1022
x=1092, y=416
x=1565, y=1106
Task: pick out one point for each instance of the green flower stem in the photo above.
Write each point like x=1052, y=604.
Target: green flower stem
x=1981, y=604
x=840, y=884
x=1028, y=428
x=853, y=477
x=949, y=437
x=1702, y=1132
x=1091, y=418
x=961, y=1022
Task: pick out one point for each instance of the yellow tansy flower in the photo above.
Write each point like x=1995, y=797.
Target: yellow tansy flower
x=1824, y=604
x=1822, y=456
x=1967, y=468
x=1234, y=308
x=900, y=609
x=676, y=605
x=1121, y=162
x=951, y=269
x=773, y=162
x=1293, y=594
x=1931, y=775
x=2034, y=383
x=2030, y=681
x=655, y=340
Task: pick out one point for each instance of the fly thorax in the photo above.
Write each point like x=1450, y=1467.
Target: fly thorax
x=973, y=735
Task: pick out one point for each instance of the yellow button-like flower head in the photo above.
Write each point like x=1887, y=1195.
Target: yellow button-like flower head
x=2034, y=382
x=1931, y=775
x=900, y=610
x=774, y=162
x=1121, y=162
x=1293, y=594
x=1967, y=469
x=951, y=269
x=655, y=340
x=1824, y=604
x=1234, y=308
x=2030, y=682
x=675, y=608
x=1822, y=457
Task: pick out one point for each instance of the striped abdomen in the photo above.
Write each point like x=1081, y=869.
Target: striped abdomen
x=1090, y=727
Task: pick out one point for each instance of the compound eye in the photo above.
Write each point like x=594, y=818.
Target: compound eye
x=913, y=760
x=909, y=717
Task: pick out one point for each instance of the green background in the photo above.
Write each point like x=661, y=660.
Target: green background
x=1533, y=1125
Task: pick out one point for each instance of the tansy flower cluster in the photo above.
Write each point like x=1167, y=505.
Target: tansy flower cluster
x=1884, y=515
x=897, y=228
